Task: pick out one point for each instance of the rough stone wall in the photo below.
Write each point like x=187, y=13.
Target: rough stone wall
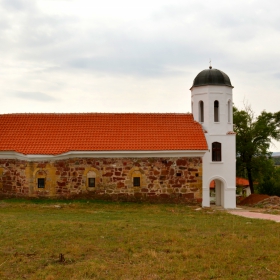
x=169, y=179
x=14, y=177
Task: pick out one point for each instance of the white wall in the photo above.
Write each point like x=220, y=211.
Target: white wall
x=208, y=94
x=224, y=170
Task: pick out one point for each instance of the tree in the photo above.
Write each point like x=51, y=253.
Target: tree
x=254, y=136
x=270, y=183
x=276, y=160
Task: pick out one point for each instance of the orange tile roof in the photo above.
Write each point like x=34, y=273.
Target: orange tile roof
x=53, y=134
x=242, y=182
x=239, y=182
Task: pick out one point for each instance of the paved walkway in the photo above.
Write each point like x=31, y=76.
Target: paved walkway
x=254, y=215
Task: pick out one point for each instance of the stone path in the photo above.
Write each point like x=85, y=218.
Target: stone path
x=254, y=215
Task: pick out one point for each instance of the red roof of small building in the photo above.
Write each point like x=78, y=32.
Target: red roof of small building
x=242, y=182
x=53, y=134
x=239, y=182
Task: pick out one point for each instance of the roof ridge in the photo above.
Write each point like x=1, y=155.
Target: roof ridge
x=97, y=113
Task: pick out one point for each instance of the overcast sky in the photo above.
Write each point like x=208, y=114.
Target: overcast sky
x=135, y=56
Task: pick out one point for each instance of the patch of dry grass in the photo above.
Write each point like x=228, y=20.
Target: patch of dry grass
x=133, y=241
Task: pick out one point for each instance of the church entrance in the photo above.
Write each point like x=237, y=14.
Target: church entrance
x=217, y=192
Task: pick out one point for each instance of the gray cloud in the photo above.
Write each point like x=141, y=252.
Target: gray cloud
x=36, y=96
x=16, y=5
x=199, y=32
x=13, y=4
x=148, y=58
x=174, y=39
x=44, y=50
x=277, y=75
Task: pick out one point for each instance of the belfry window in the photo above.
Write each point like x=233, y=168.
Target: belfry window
x=201, y=111
x=229, y=111
x=216, y=111
x=216, y=151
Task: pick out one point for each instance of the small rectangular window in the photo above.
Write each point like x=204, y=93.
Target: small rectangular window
x=41, y=183
x=91, y=182
x=216, y=151
x=136, y=181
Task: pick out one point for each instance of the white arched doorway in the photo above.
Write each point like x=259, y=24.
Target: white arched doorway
x=217, y=191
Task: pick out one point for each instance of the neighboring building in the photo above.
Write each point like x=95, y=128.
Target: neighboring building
x=243, y=186
x=170, y=157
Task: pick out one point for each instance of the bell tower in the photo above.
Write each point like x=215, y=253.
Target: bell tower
x=212, y=108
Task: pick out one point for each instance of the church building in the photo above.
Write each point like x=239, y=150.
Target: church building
x=126, y=156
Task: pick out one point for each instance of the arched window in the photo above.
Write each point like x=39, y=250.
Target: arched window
x=229, y=111
x=201, y=111
x=216, y=111
x=216, y=151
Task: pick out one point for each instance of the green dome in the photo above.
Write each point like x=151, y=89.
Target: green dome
x=211, y=77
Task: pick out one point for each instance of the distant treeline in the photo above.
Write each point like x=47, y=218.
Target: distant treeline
x=276, y=160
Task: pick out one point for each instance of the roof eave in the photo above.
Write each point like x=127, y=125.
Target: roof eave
x=103, y=154
x=203, y=85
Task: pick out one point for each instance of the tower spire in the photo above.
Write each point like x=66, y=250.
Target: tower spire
x=210, y=66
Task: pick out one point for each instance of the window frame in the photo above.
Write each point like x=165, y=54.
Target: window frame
x=90, y=185
x=216, y=152
x=39, y=183
x=136, y=181
x=229, y=111
x=216, y=111
x=201, y=111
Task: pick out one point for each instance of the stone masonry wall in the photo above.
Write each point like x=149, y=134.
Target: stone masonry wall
x=169, y=179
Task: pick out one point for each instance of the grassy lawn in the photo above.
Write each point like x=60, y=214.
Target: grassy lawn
x=103, y=240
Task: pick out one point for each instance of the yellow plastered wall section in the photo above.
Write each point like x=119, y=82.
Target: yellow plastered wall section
x=38, y=174
x=137, y=172
x=1, y=173
x=91, y=172
x=48, y=173
x=52, y=178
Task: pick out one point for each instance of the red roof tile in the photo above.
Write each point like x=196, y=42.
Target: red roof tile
x=239, y=182
x=242, y=182
x=53, y=134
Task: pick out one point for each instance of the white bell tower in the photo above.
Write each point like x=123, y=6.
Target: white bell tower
x=212, y=108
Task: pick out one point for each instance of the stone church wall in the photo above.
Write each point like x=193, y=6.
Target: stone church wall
x=158, y=179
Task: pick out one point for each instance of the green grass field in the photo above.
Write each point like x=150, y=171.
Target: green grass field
x=103, y=240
